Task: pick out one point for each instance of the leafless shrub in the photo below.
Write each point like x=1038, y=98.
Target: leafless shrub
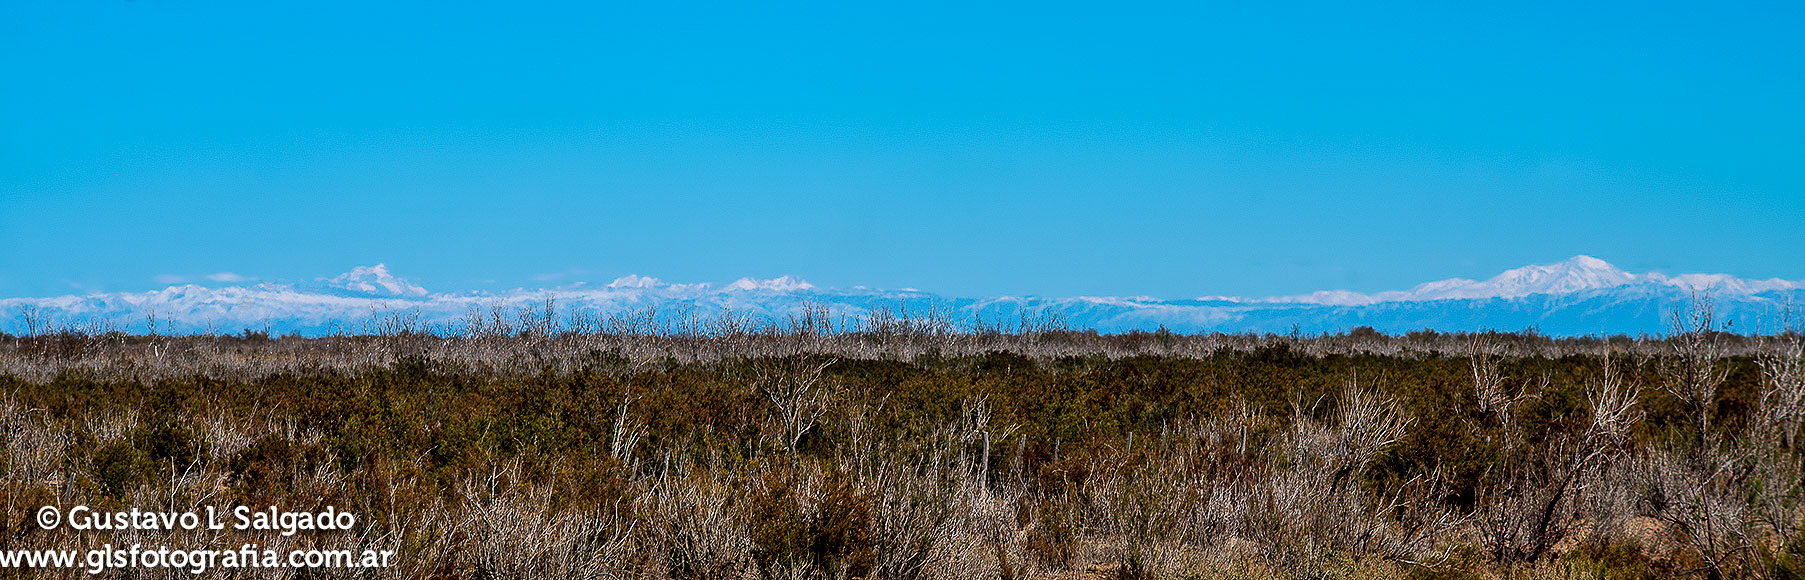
x=912, y=510
x=1782, y=398
x=1529, y=510
x=1701, y=501
x=1779, y=474
x=1695, y=371
x=1313, y=505
x=1732, y=494
x=697, y=532
x=34, y=447
x=1141, y=508
x=798, y=396
x=511, y=531
x=627, y=431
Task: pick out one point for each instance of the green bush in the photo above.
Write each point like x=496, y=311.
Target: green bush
x=170, y=446
x=834, y=541
x=1789, y=563
x=1610, y=561
x=117, y=468
x=152, y=450
x=265, y=472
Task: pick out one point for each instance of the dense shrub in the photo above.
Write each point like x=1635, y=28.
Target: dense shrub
x=117, y=467
x=831, y=538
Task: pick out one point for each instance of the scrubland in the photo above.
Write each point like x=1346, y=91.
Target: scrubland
x=532, y=446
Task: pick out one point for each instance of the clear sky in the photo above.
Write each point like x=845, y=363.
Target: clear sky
x=1115, y=148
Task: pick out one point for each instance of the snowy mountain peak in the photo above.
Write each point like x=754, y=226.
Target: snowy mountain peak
x=1583, y=261
x=1723, y=283
x=1578, y=273
x=635, y=281
x=1574, y=275
x=780, y=284
x=376, y=280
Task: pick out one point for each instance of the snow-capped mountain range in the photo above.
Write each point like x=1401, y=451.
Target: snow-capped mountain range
x=1580, y=296
x=1575, y=275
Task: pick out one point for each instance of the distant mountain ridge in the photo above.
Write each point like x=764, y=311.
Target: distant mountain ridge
x=1576, y=297
x=1575, y=275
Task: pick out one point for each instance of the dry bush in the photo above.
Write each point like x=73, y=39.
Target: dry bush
x=1531, y=508
x=798, y=394
x=696, y=528
x=510, y=530
x=912, y=510
x=1140, y=510
x=1731, y=493
x=1312, y=506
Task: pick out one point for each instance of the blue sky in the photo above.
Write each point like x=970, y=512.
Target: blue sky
x=1040, y=148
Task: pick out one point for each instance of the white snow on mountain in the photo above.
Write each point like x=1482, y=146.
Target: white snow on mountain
x=1581, y=295
x=1573, y=275
x=634, y=281
x=1577, y=274
x=376, y=280
x=782, y=284
x=1725, y=283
